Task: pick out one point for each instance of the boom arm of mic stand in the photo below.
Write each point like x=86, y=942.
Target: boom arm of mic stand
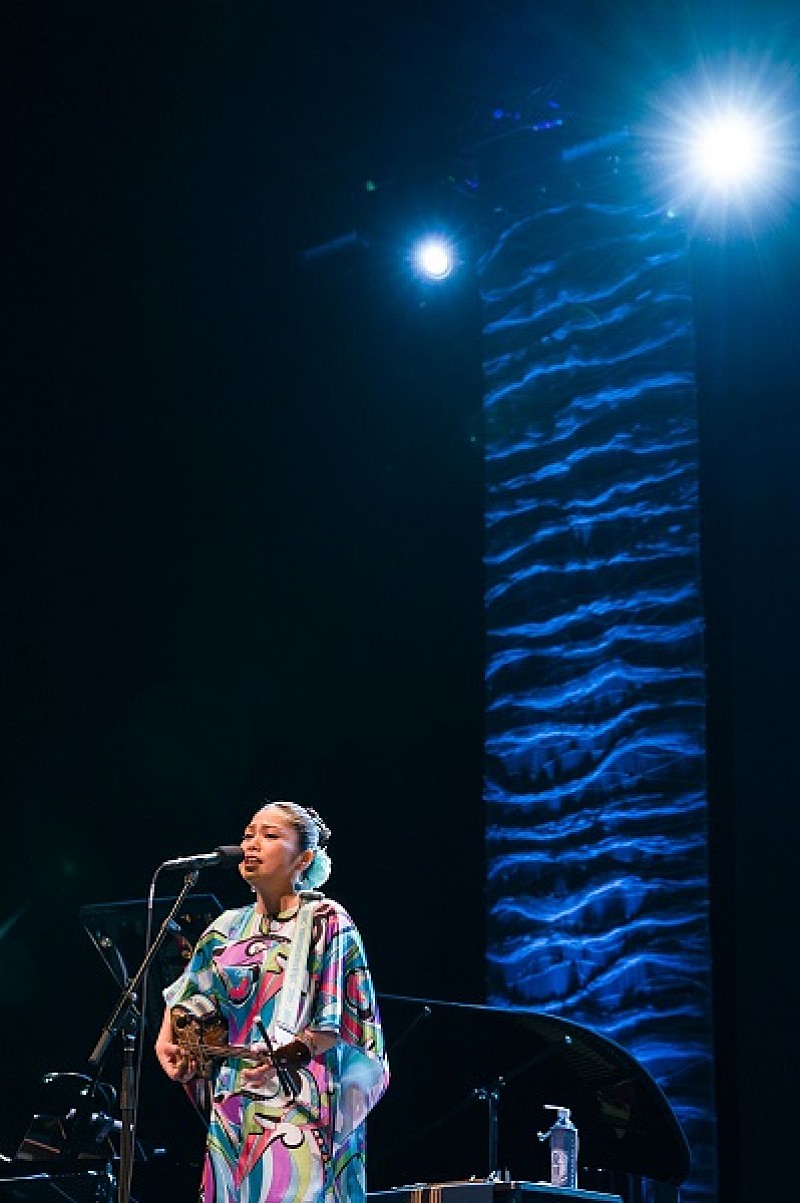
x=119, y=1020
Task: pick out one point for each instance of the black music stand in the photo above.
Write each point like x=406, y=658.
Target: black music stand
x=67, y=1152
x=118, y=930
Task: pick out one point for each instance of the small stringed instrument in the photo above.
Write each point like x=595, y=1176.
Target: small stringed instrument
x=199, y=1029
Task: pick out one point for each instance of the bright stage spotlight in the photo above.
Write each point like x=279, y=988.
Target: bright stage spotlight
x=433, y=258
x=730, y=151
x=723, y=147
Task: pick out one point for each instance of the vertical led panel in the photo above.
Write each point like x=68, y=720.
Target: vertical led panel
x=595, y=744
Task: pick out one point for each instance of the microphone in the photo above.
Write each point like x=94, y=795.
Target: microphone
x=225, y=856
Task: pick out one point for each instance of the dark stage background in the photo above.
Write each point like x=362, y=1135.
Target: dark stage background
x=243, y=492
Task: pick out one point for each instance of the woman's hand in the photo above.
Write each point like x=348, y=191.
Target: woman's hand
x=257, y=1076
x=287, y=1060
x=174, y=1060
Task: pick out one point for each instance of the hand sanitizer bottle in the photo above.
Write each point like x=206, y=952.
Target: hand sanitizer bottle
x=563, y=1148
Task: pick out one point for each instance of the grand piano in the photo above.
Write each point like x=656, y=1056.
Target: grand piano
x=468, y=1094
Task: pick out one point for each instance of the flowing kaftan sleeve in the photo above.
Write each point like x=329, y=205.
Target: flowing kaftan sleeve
x=343, y=1001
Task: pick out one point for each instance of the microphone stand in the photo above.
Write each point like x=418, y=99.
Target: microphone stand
x=491, y=1095
x=124, y=1018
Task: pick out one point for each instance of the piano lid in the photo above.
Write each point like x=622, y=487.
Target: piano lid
x=448, y=1060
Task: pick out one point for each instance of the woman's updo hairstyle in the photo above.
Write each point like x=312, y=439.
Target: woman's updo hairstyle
x=313, y=834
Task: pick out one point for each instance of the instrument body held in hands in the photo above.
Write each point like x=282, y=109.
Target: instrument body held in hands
x=201, y=1032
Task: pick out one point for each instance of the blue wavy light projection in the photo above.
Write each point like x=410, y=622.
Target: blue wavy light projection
x=595, y=746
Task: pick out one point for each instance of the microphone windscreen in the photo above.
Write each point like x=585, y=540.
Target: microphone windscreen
x=230, y=854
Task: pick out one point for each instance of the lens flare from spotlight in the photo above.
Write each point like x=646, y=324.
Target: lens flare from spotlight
x=433, y=259
x=729, y=151
x=722, y=150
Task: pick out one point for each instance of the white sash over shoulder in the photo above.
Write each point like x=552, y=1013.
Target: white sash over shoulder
x=293, y=1006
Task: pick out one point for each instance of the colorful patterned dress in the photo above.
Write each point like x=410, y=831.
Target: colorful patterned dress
x=264, y=1147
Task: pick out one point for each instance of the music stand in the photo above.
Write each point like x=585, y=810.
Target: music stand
x=118, y=929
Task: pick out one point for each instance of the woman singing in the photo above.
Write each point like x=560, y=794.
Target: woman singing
x=288, y=974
